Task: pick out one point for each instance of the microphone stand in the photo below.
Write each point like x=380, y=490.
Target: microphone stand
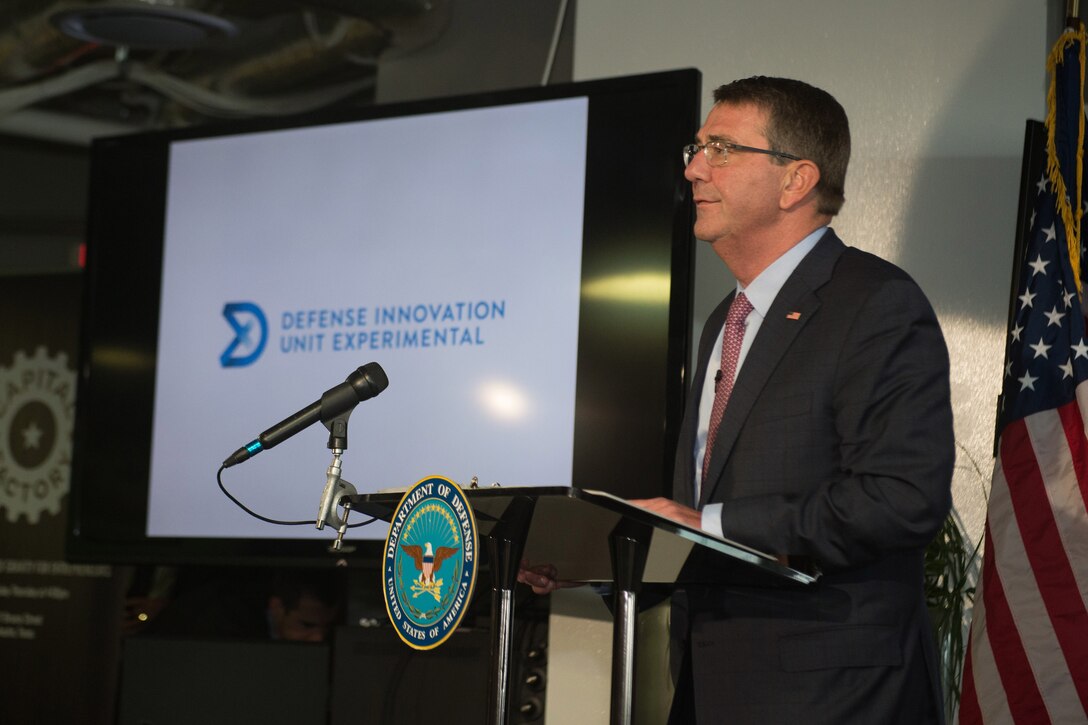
x=335, y=487
x=335, y=490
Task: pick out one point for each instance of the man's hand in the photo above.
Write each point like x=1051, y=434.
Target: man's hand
x=543, y=578
x=671, y=510
x=687, y=516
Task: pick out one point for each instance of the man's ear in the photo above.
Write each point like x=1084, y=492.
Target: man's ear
x=799, y=182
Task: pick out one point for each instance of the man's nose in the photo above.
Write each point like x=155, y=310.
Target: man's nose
x=697, y=169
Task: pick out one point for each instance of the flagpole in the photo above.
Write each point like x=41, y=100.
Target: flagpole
x=1072, y=14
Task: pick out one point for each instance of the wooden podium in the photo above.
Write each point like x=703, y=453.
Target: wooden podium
x=589, y=536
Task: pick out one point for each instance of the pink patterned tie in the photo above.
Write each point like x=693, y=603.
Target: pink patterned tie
x=723, y=386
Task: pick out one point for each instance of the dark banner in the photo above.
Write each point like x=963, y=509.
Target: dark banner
x=58, y=620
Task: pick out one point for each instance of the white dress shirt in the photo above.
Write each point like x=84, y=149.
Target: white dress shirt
x=761, y=293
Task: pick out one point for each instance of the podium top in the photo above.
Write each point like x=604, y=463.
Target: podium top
x=570, y=529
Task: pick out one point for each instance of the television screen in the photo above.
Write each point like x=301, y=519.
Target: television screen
x=519, y=264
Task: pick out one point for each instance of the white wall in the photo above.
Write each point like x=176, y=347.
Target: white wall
x=937, y=93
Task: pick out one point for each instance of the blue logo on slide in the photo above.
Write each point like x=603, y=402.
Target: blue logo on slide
x=243, y=349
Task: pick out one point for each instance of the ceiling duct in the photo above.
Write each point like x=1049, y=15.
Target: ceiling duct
x=288, y=52
x=179, y=61
x=30, y=45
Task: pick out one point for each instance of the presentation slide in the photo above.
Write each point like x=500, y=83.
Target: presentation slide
x=445, y=247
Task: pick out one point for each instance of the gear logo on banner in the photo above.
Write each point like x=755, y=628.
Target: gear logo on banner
x=37, y=410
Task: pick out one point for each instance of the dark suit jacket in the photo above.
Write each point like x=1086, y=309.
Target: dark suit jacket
x=836, y=448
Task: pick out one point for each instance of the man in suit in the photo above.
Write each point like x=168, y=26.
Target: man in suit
x=825, y=401
x=833, y=448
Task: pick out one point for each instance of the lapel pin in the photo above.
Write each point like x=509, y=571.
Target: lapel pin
x=793, y=316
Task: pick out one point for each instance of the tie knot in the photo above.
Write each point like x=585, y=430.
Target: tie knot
x=738, y=311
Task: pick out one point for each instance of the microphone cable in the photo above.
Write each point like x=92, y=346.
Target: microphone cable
x=254, y=514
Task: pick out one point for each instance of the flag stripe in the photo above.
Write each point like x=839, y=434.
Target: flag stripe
x=981, y=679
x=1070, y=499
x=1057, y=585
x=1024, y=701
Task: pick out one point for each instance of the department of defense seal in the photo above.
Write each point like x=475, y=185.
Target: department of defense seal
x=429, y=569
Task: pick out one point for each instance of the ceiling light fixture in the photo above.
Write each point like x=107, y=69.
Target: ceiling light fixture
x=143, y=26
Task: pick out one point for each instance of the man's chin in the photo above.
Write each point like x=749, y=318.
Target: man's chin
x=704, y=234
x=705, y=230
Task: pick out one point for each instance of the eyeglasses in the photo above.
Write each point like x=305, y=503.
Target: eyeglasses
x=717, y=152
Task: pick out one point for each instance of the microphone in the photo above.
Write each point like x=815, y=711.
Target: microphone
x=363, y=384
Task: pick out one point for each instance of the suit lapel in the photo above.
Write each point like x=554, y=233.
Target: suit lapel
x=684, y=472
x=791, y=310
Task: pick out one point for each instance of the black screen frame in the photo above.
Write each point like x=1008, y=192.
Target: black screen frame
x=638, y=212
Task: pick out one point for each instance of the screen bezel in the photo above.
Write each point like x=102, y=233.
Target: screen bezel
x=628, y=374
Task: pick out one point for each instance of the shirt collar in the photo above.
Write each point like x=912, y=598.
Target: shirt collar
x=766, y=286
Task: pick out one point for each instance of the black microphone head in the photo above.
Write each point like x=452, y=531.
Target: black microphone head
x=368, y=381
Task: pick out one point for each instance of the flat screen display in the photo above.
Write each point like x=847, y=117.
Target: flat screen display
x=519, y=265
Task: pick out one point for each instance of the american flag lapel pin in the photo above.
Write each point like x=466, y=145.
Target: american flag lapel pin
x=793, y=316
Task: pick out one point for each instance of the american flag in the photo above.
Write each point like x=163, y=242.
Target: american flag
x=1027, y=659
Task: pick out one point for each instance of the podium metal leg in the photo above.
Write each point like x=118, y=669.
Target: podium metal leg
x=506, y=543
x=629, y=545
